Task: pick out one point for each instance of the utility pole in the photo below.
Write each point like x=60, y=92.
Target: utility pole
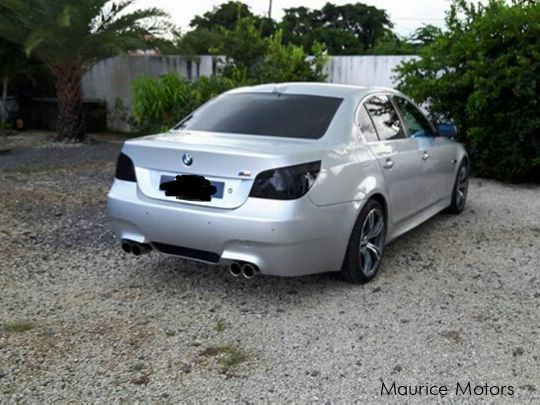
x=270, y=10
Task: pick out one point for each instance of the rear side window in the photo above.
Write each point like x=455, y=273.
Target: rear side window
x=416, y=123
x=385, y=118
x=269, y=114
x=366, y=126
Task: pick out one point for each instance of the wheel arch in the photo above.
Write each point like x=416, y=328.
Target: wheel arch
x=381, y=200
x=463, y=156
x=345, y=271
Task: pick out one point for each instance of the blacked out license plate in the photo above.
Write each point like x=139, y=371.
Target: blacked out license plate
x=191, y=187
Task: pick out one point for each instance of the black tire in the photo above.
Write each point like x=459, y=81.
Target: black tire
x=355, y=266
x=460, y=190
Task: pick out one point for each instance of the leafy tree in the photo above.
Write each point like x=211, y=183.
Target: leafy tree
x=298, y=23
x=393, y=44
x=288, y=62
x=345, y=30
x=426, y=35
x=257, y=59
x=225, y=15
x=69, y=36
x=207, y=36
x=484, y=72
x=201, y=41
x=244, y=46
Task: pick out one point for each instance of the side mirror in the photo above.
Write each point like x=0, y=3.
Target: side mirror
x=447, y=130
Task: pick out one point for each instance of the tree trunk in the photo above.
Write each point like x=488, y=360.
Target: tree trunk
x=70, y=107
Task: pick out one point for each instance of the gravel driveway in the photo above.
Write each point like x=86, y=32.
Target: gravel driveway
x=456, y=300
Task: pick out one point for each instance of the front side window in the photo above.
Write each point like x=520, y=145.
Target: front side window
x=416, y=123
x=385, y=118
x=268, y=114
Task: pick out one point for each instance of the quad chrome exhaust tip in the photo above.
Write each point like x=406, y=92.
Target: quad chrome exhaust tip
x=246, y=270
x=136, y=248
x=235, y=270
x=126, y=246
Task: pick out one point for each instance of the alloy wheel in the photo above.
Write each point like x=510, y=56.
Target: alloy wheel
x=462, y=186
x=371, y=241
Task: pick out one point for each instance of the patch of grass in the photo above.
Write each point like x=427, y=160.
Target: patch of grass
x=18, y=327
x=221, y=326
x=137, y=367
x=228, y=356
x=233, y=359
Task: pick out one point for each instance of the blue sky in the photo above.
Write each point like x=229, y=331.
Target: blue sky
x=407, y=15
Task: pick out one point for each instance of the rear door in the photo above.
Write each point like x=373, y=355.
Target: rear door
x=435, y=152
x=397, y=155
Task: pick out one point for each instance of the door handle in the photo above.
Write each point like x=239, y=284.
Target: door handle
x=388, y=163
x=425, y=155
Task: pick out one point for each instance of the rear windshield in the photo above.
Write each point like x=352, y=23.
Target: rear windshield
x=269, y=114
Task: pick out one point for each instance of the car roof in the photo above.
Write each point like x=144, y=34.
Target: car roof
x=311, y=88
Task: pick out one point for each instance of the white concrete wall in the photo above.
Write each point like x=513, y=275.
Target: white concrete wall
x=364, y=70
x=110, y=80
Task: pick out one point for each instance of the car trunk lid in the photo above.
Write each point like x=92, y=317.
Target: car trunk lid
x=231, y=162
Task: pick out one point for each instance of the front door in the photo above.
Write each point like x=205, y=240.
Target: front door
x=398, y=156
x=435, y=152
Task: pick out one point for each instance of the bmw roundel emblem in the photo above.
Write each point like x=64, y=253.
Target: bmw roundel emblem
x=187, y=159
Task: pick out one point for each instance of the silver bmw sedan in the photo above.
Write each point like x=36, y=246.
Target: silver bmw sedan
x=287, y=180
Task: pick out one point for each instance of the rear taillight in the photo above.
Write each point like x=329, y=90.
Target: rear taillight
x=125, y=169
x=285, y=183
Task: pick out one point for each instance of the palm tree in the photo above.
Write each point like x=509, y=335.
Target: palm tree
x=69, y=36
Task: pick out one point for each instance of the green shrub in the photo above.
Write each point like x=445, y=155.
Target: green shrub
x=160, y=103
x=484, y=72
x=255, y=59
x=207, y=88
x=287, y=63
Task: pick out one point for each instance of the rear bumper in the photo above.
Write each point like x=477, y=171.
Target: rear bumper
x=283, y=238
